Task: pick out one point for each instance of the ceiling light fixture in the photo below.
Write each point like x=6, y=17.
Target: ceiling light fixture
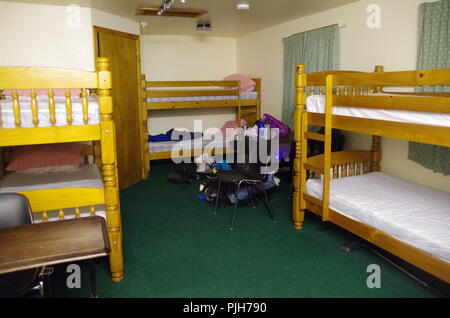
x=165, y=6
x=243, y=6
x=204, y=26
x=183, y=1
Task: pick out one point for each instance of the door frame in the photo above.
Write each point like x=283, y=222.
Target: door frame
x=142, y=112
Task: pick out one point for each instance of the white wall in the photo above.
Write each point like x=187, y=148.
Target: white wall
x=187, y=58
x=114, y=22
x=38, y=35
x=260, y=54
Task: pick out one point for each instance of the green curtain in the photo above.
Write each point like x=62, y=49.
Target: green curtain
x=434, y=53
x=318, y=50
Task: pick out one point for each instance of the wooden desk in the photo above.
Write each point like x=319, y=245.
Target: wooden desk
x=44, y=244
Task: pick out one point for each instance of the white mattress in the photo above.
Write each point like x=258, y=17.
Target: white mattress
x=414, y=214
x=244, y=95
x=26, y=116
x=167, y=146
x=88, y=177
x=316, y=104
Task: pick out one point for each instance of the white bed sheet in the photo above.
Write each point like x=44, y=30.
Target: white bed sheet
x=88, y=177
x=414, y=214
x=167, y=146
x=244, y=95
x=26, y=116
x=316, y=104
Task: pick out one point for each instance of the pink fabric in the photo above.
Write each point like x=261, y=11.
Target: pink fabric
x=230, y=128
x=40, y=92
x=39, y=156
x=246, y=83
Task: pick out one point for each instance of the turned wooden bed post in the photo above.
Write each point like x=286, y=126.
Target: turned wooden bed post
x=376, y=140
x=109, y=168
x=143, y=103
x=301, y=149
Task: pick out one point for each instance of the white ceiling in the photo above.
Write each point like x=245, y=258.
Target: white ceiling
x=225, y=19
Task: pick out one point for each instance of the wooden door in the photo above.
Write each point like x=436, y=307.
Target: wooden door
x=124, y=51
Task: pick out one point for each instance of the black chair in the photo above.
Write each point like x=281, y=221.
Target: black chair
x=247, y=173
x=15, y=211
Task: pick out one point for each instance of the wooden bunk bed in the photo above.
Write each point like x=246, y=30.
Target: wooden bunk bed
x=46, y=124
x=344, y=177
x=172, y=95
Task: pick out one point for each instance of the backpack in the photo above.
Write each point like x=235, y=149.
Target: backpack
x=181, y=177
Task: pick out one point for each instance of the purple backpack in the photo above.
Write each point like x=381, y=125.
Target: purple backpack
x=275, y=123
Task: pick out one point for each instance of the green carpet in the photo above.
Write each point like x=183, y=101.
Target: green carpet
x=175, y=247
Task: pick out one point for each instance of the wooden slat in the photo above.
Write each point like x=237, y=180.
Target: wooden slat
x=46, y=135
x=85, y=106
x=63, y=198
x=34, y=108
x=418, y=94
x=196, y=104
x=319, y=78
x=312, y=199
x=313, y=167
x=167, y=93
x=342, y=158
x=45, y=77
x=408, y=78
x=314, y=136
x=251, y=103
x=418, y=104
x=51, y=107
x=69, y=108
x=413, y=132
x=180, y=84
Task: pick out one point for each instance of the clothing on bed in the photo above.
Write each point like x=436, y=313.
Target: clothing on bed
x=175, y=135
